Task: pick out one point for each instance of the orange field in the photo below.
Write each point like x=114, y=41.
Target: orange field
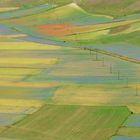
x=57, y=29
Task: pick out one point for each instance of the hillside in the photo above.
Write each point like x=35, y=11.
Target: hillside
x=68, y=13
x=108, y=7
x=21, y=12
x=70, y=25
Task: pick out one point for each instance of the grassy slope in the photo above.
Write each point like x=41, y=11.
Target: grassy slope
x=112, y=7
x=114, y=30
x=25, y=11
x=131, y=38
x=69, y=122
x=68, y=13
x=59, y=16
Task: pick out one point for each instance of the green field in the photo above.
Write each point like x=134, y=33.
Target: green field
x=74, y=123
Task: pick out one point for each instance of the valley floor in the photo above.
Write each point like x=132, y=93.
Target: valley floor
x=53, y=92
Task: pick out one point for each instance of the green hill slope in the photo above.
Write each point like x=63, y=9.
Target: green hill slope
x=112, y=7
x=68, y=13
x=25, y=11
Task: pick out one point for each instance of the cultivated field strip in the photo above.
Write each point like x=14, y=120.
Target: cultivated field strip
x=76, y=122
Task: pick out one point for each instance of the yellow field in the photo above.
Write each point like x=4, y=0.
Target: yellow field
x=100, y=15
x=95, y=95
x=13, y=36
x=11, y=77
x=28, y=61
x=135, y=86
x=26, y=46
x=134, y=108
x=28, y=84
x=21, y=102
x=4, y=9
x=18, y=109
x=129, y=131
x=18, y=71
x=14, y=74
x=88, y=35
x=86, y=95
x=2, y=128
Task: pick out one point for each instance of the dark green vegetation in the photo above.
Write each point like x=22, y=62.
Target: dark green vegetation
x=69, y=122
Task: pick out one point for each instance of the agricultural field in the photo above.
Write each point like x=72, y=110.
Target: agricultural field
x=66, y=117
x=69, y=71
